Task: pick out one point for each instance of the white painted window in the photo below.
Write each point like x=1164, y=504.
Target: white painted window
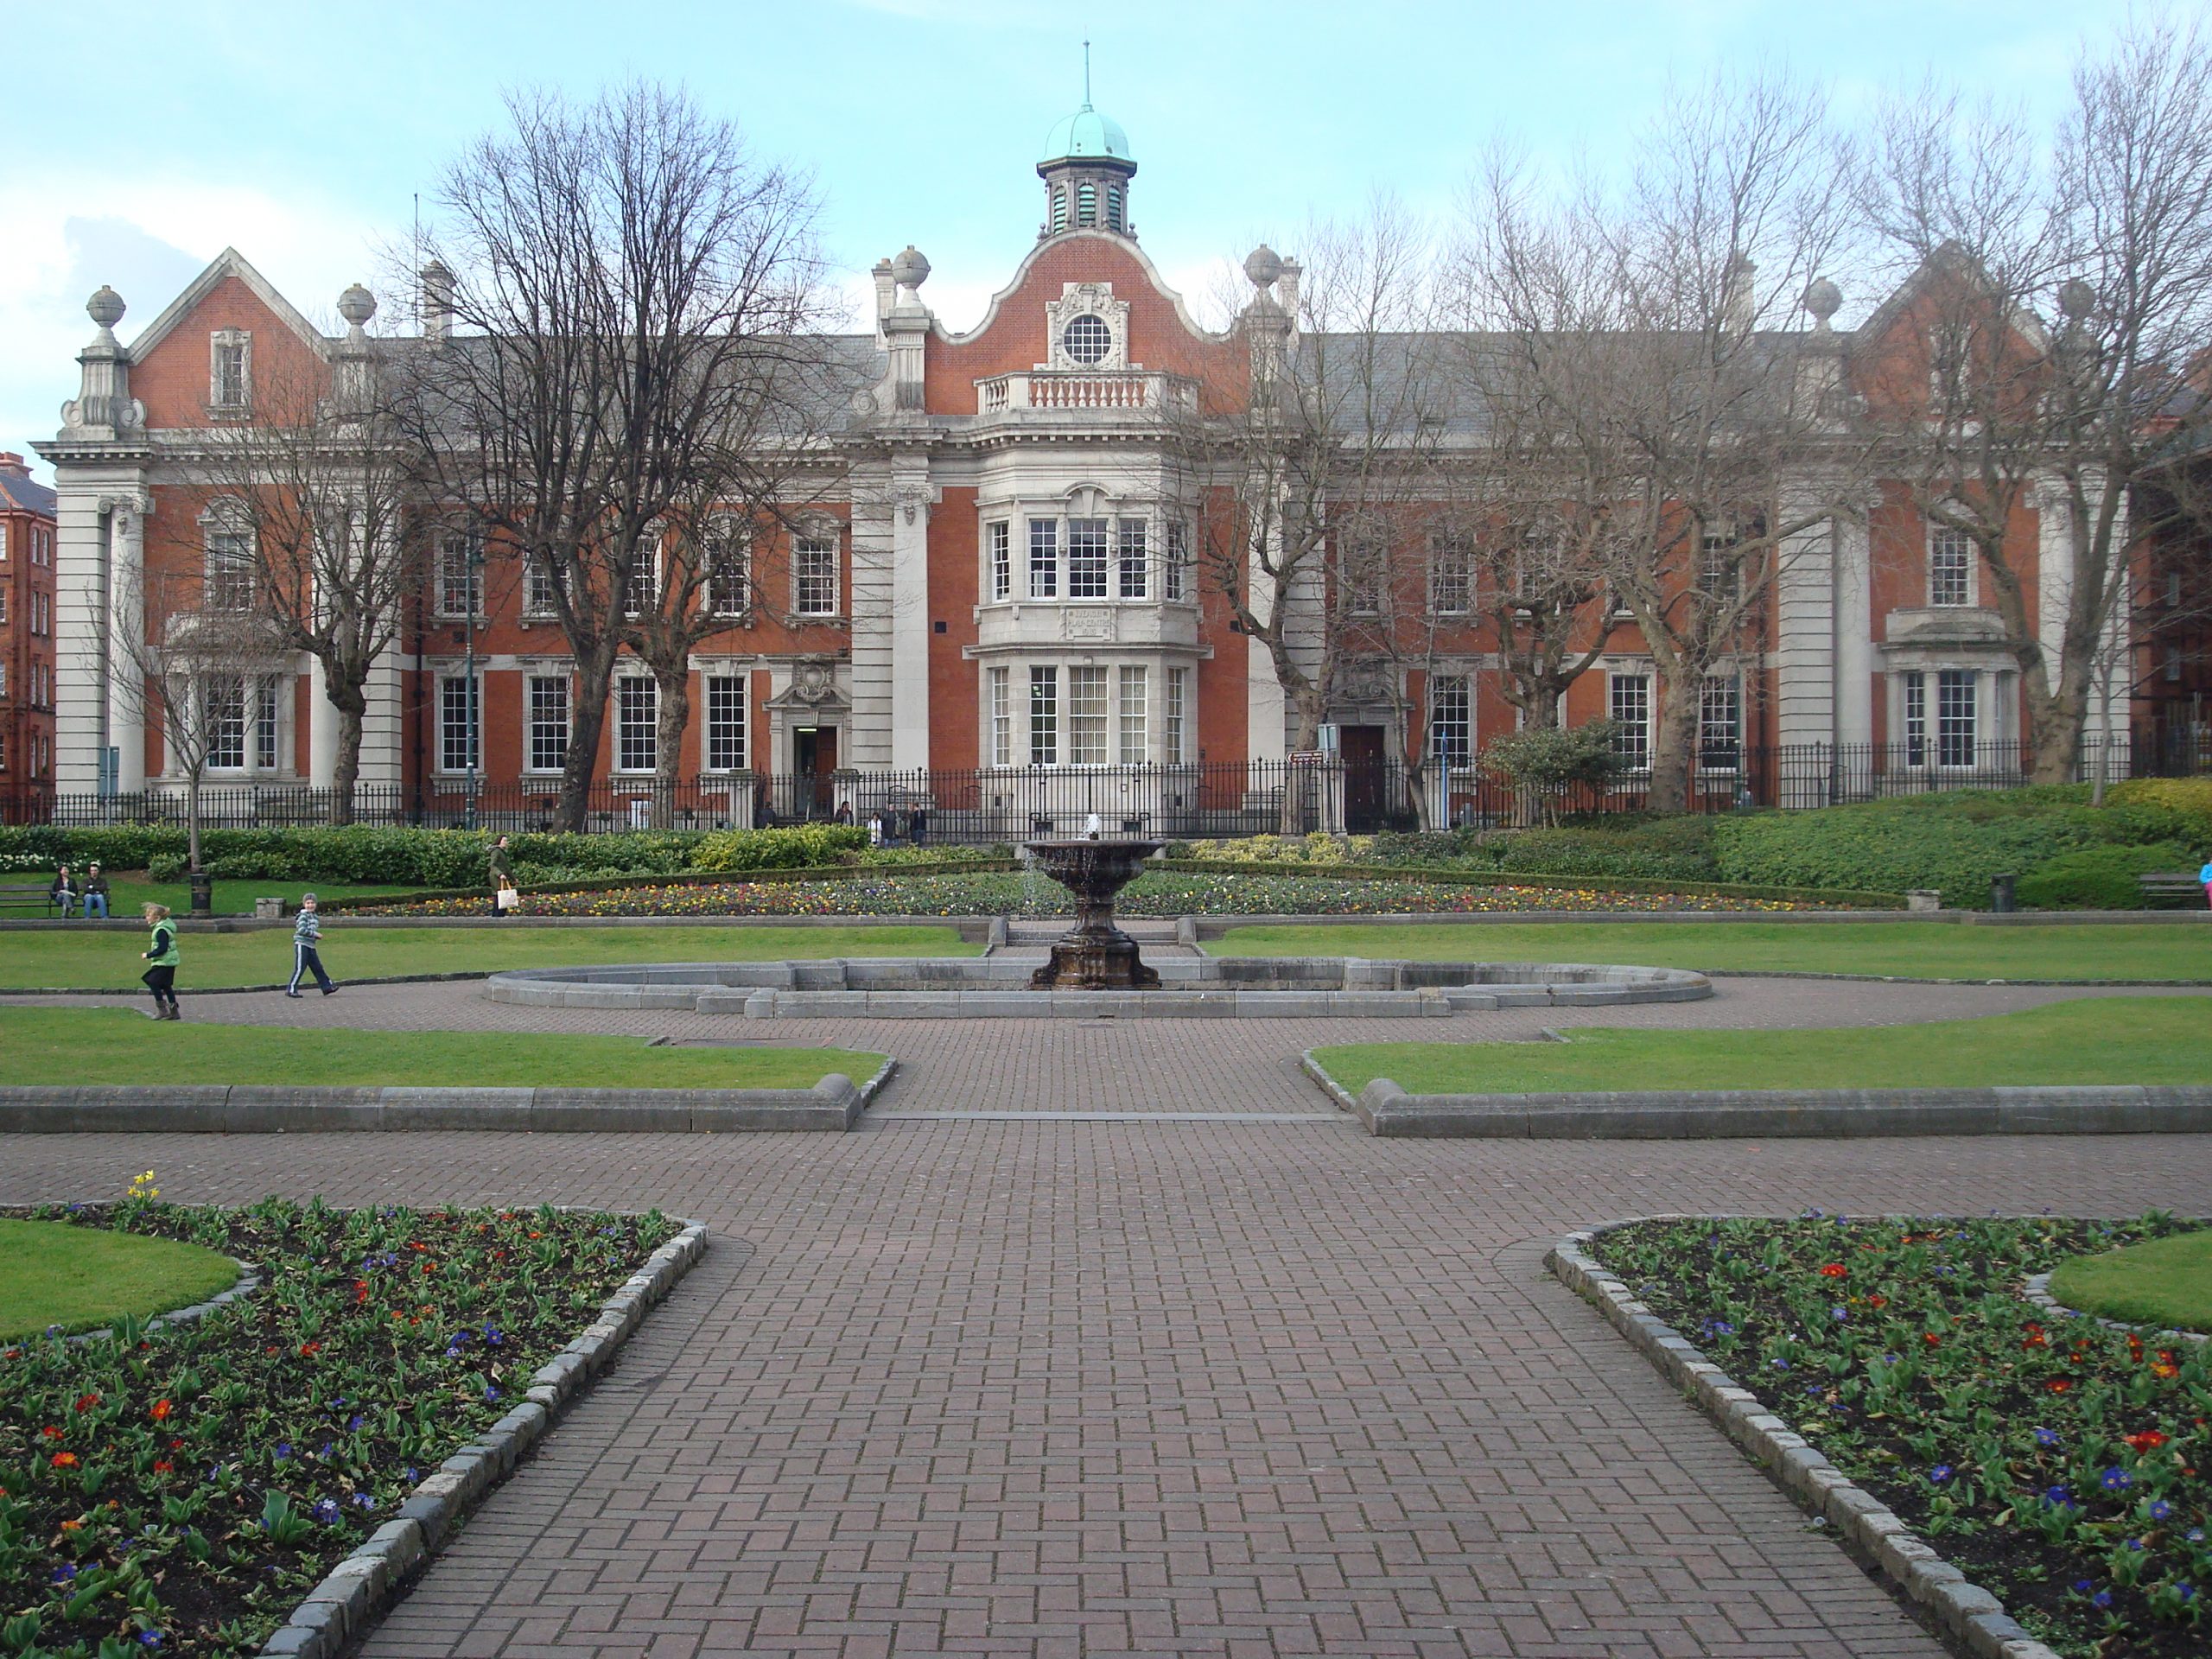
x=1043, y=559
x=1950, y=568
x=1955, y=717
x=1087, y=716
x=459, y=711
x=1135, y=715
x=637, y=723
x=814, y=563
x=1451, y=575
x=729, y=568
x=1914, y=693
x=548, y=722
x=1630, y=709
x=224, y=721
x=1086, y=340
x=461, y=572
x=265, y=722
x=1087, y=558
x=726, y=722
x=1173, y=562
x=1720, y=571
x=1720, y=723
x=1000, y=538
x=1132, y=557
x=1044, y=715
x=229, y=567
x=1001, y=698
x=1172, y=715
x=230, y=369
x=641, y=593
x=1452, y=719
x=540, y=587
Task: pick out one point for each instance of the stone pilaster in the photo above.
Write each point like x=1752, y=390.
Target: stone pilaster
x=911, y=499
x=1804, y=644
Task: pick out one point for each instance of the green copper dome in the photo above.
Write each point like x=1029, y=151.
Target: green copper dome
x=1087, y=136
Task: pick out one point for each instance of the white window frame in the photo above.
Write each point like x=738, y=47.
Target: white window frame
x=1132, y=559
x=1948, y=748
x=225, y=720
x=1451, y=720
x=1451, y=575
x=1095, y=574
x=817, y=591
x=727, y=741
x=1089, y=713
x=998, y=685
x=1175, y=713
x=1720, y=704
x=642, y=592
x=1912, y=716
x=728, y=555
x=540, y=587
x=998, y=555
x=630, y=690
x=1043, y=559
x=460, y=588
x=1044, y=715
x=1631, y=738
x=448, y=729
x=1133, y=713
x=1175, y=558
x=1720, y=573
x=219, y=342
x=1962, y=545
x=534, y=727
x=228, y=582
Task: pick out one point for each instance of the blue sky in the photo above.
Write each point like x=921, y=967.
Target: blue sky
x=301, y=132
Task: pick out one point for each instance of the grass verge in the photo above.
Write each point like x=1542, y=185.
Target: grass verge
x=1915, y=949
x=191, y=1483
x=2166, y=1282
x=2060, y=1465
x=2152, y=1040
x=89, y=960
x=130, y=890
x=53, y=1274
x=61, y=1046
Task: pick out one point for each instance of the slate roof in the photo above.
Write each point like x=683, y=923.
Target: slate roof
x=25, y=495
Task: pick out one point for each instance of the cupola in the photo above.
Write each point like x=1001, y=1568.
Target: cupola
x=1087, y=169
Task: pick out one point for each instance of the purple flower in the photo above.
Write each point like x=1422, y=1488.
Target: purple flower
x=362, y=1500
x=2162, y=1511
x=2116, y=1480
x=1839, y=1314
x=2058, y=1498
x=150, y=1638
x=284, y=1451
x=2049, y=1437
x=63, y=1573
x=2102, y=1599
x=1940, y=1473
x=353, y=1423
x=491, y=1391
x=1781, y=1364
x=326, y=1510
x=2080, y=1587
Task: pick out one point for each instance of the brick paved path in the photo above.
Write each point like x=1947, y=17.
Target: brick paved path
x=1178, y=1387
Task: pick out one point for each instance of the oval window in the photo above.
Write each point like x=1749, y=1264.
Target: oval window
x=1086, y=339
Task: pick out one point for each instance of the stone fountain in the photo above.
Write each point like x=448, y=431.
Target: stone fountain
x=1095, y=955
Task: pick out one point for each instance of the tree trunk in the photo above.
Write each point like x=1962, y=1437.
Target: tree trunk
x=192, y=779
x=1673, y=744
x=346, y=770
x=1299, y=780
x=673, y=715
x=594, y=673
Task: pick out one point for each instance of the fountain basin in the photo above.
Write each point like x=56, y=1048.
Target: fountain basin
x=1241, y=988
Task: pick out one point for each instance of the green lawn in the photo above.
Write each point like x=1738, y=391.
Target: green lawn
x=1916, y=949
x=55, y=1273
x=121, y=1045
x=129, y=890
x=2166, y=1282
x=2164, y=1040
x=101, y=961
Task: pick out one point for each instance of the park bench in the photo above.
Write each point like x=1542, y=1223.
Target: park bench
x=2170, y=886
x=23, y=895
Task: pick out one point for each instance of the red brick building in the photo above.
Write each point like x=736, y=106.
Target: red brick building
x=27, y=642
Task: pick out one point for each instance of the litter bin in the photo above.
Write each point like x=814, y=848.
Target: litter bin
x=2000, y=893
x=203, y=893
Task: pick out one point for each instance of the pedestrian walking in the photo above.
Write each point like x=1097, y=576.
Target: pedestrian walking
x=161, y=952
x=2205, y=876
x=918, y=825
x=505, y=898
x=307, y=937
x=94, y=892
x=63, y=892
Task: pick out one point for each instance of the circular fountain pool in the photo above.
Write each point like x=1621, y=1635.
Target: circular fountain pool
x=997, y=988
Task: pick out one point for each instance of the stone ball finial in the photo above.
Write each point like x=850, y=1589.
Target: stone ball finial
x=1823, y=299
x=2077, y=298
x=1262, y=266
x=105, y=307
x=909, y=269
x=356, y=305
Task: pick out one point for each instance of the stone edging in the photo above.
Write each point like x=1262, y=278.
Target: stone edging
x=1970, y=1619
x=357, y=1592
x=1213, y=927
x=833, y=1104
x=1697, y=1115
x=2038, y=1290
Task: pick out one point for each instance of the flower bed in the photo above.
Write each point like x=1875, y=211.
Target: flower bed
x=2058, y=1463
x=181, y=1488
x=1019, y=894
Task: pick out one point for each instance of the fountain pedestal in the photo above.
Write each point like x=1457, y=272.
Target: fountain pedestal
x=1095, y=955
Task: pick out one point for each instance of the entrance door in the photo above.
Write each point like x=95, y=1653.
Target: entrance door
x=814, y=767
x=1361, y=748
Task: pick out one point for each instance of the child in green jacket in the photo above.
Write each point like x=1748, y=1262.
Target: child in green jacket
x=161, y=951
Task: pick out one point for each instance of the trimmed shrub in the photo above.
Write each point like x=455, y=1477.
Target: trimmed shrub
x=2160, y=809
x=797, y=848
x=2101, y=878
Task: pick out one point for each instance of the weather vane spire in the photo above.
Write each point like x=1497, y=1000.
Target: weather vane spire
x=1086, y=74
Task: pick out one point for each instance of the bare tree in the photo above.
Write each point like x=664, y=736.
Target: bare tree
x=1638, y=351
x=316, y=479
x=1988, y=410
x=1330, y=449
x=203, y=668
x=616, y=275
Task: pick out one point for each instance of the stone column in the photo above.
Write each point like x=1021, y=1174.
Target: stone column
x=126, y=619
x=322, y=727
x=1805, y=637
x=911, y=499
x=1855, y=632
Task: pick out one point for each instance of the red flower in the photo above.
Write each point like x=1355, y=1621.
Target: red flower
x=87, y=1402
x=51, y=1432
x=160, y=1410
x=307, y=1348
x=1931, y=1338
x=163, y=1466
x=1834, y=1270
x=2035, y=1339
x=1878, y=1301
x=65, y=1459
x=2060, y=1384
x=2149, y=1440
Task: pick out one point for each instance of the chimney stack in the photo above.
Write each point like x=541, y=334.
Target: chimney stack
x=437, y=301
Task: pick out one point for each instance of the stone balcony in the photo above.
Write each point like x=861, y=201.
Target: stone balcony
x=1107, y=625
x=1952, y=628
x=1091, y=394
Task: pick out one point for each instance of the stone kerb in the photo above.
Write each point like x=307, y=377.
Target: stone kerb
x=1388, y=1109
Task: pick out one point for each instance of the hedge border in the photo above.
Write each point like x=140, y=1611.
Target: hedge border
x=693, y=879
x=1844, y=897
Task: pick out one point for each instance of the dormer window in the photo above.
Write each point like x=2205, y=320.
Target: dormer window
x=1086, y=340
x=229, y=365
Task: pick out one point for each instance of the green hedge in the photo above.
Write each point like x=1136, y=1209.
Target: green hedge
x=1848, y=898
x=2102, y=877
